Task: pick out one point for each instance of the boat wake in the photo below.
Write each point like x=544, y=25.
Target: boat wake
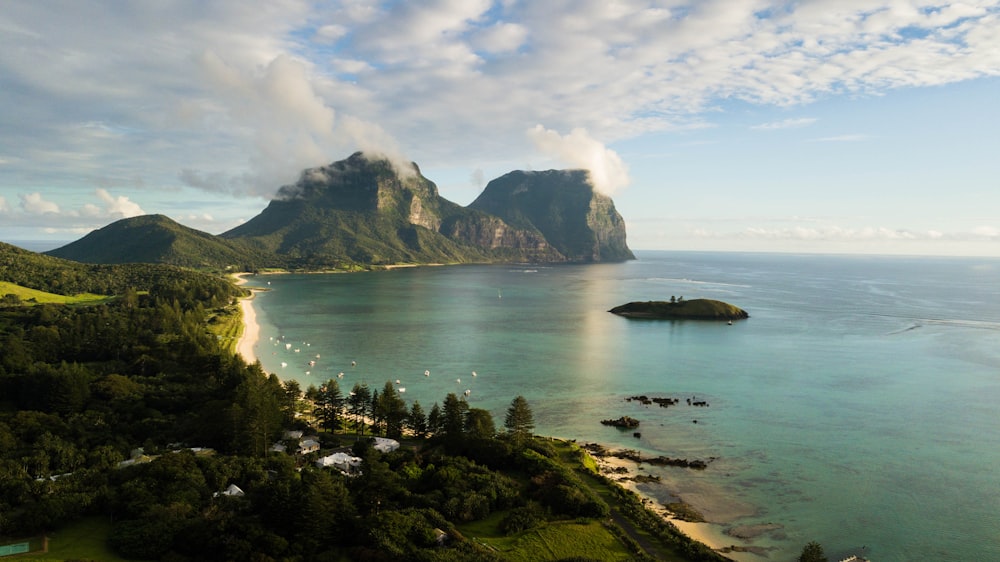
x=974, y=324
x=695, y=282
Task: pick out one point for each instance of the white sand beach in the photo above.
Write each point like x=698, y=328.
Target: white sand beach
x=251, y=330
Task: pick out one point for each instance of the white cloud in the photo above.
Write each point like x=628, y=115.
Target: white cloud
x=3, y=205
x=288, y=125
x=501, y=37
x=119, y=206
x=833, y=233
x=350, y=66
x=238, y=98
x=578, y=149
x=330, y=33
x=35, y=204
x=987, y=231
x=792, y=123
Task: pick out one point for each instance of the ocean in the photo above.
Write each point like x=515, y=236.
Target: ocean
x=858, y=406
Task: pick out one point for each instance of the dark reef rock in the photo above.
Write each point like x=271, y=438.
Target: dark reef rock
x=624, y=422
x=635, y=456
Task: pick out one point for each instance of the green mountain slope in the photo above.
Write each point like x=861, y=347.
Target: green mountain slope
x=158, y=239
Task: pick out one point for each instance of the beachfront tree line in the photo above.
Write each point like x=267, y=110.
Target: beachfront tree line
x=385, y=413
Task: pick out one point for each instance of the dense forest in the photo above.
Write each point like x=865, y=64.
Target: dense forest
x=136, y=411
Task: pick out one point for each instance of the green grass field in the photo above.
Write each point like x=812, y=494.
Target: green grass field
x=82, y=540
x=227, y=324
x=31, y=296
x=551, y=541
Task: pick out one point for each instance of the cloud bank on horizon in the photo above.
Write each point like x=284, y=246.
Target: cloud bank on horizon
x=220, y=103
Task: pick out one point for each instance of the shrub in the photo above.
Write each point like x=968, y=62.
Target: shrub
x=519, y=519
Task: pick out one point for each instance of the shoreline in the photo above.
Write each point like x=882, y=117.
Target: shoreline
x=717, y=536
x=251, y=329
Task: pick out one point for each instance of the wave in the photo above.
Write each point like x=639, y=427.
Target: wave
x=695, y=282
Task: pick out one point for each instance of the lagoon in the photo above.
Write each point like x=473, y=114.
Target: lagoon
x=857, y=406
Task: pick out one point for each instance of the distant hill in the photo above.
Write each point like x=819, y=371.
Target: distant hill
x=361, y=210
x=39, y=272
x=159, y=239
x=562, y=206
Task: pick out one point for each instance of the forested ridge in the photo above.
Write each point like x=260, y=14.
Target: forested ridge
x=66, y=277
x=134, y=411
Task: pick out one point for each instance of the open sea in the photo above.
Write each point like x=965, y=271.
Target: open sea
x=859, y=406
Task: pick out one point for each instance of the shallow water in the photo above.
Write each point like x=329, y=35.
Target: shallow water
x=857, y=406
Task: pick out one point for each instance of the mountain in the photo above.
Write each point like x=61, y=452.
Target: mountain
x=158, y=239
x=562, y=206
x=363, y=210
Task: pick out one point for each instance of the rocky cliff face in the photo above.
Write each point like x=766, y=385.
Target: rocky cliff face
x=563, y=207
x=493, y=234
x=363, y=209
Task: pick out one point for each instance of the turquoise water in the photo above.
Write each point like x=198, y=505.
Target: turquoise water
x=857, y=406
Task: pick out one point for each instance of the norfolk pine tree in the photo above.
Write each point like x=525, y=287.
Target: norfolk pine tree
x=519, y=421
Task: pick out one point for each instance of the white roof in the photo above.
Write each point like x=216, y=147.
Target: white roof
x=386, y=445
x=339, y=460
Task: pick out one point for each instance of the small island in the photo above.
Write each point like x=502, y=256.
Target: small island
x=680, y=309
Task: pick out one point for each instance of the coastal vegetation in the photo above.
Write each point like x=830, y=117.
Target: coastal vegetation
x=130, y=418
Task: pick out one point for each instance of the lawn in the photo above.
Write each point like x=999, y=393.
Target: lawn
x=81, y=540
x=227, y=325
x=552, y=541
x=35, y=296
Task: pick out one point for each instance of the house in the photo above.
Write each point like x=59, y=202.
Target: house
x=292, y=434
x=440, y=537
x=341, y=461
x=384, y=445
x=233, y=491
x=307, y=446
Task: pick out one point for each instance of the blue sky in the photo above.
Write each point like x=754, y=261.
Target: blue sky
x=823, y=126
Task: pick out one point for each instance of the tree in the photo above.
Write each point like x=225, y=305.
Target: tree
x=293, y=391
x=519, y=421
x=453, y=418
x=479, y=424
x=325, y=510
x=391, y=410
x=416, y=421
x=357, y=403
x=256, y=413
x=329, y=405
x=812, y=552
x=434, y=420
x=373, y=413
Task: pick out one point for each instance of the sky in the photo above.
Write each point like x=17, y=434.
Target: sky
x=815, y=126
